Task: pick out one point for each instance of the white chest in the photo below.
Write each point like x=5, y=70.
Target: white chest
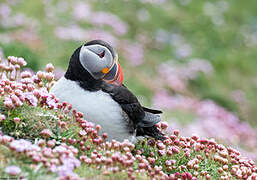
x=98, y=107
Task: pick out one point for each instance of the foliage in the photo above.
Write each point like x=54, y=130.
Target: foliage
x=50, y=140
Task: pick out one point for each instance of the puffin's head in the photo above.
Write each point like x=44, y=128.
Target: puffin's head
x=100, y=60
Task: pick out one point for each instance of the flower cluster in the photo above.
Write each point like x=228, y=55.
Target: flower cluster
x=60, y=159
x=13, y=170
x=176, y=76
x=31, y=88
x=211, y=120
x=99, y=18
x=11, y=19
x=176, y=157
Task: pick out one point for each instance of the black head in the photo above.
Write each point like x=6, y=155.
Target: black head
x=92, y=62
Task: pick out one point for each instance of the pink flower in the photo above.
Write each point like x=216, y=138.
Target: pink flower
x=5, y=11
x=164, y=125
x=46, y=133
x=73, y=32
x=21, y=62
x=2, y=117
x=133, y=52
x=8, y=103
x=29, y=96
x=16, y=120
x=13, y=170
x=49, y=77
x=81, y=11
x=49, y=67
x=106, y=18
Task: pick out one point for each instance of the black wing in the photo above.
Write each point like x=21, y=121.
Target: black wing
x=153, y=111
x=140, y=116
x=126, y=100
x=143, y=118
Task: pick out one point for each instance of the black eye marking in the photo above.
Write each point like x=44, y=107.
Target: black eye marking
x=101, y=55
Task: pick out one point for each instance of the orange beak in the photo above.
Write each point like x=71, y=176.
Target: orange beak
x=115, y=75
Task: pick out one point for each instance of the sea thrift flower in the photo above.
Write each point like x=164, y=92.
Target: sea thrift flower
x=2, y=117
x=49, y=77
x=16, y=120
x=46, y=133
x=164, y=125
x=8, y=104
x=26, y=74
x=154, y=158
x=21, y=62
x=13, y=170
x=49, y=67
x=40, y=75
x=98, y=128
x=176, y=132
x=17, y=67
x=51, y=143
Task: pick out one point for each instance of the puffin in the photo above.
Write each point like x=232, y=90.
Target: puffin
x=93, y=84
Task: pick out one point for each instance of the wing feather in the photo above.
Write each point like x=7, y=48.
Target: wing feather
x=143, y=119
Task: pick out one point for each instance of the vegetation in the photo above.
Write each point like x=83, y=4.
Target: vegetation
x=41, y=140
x=195, y=60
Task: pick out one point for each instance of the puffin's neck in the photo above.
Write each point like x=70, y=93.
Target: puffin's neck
x=76, y=72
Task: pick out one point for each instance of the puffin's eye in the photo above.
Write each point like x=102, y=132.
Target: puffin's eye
x=101, y=55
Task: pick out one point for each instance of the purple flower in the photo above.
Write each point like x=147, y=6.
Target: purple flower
x=5, y=11
x=73, y=32
x=133, y=52
x=51, y=102
x=29, y=96
x=13, y=170
x=183, y=51
x=53, y=168
x=106, y=18
x=104, y=35
x=81, y=11
x=65, y=171
x=68, y=165
x=60, y=149
x=71, y=162
x=23, y=145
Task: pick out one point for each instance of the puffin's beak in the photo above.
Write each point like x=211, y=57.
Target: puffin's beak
x=115, y=75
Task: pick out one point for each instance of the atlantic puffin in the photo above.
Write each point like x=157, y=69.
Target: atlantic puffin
x=93, y=84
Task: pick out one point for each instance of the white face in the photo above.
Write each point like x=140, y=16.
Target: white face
x=96, y=59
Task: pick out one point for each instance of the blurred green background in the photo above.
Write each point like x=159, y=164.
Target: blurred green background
x=149, y=35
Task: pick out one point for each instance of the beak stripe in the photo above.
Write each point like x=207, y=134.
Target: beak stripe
x=112, y=73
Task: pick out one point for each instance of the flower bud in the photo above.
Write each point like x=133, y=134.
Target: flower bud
x=164, y=125
x=2, y=117
x=21, y=62
x=49, y=77
x=51, y=143
x=176, y=132
x=46, y=133
x=26, y=74
x=17, y=67
x=49, y=67
x=16, y=120
x=40, y=75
